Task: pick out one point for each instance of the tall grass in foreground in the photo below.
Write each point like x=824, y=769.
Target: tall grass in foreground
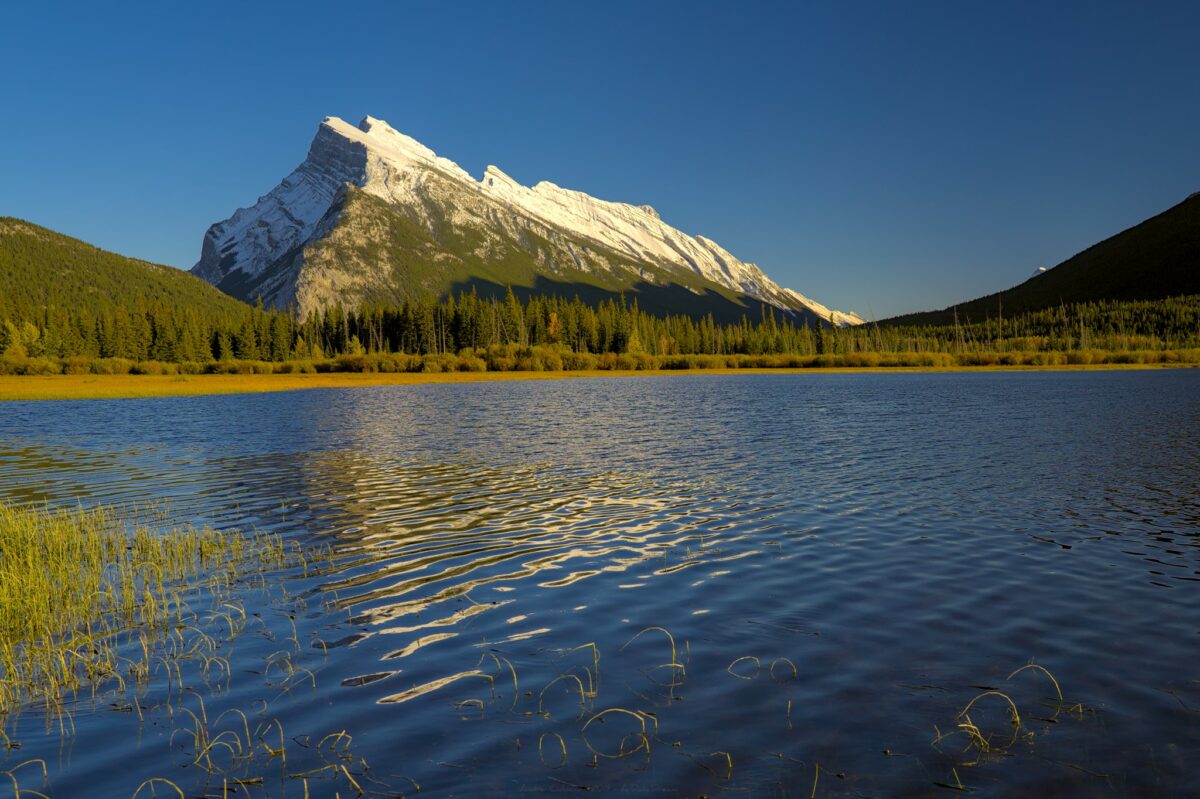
x=75, y=583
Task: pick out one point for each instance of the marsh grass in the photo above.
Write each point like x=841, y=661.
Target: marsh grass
x=76, y=584
x=986, y=744
x=88, y=601
x=677, y=670
x=91, y=603
x=11, y=774
x=383, y=369
x=641, y=736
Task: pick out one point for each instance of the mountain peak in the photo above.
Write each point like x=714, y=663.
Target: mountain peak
x=381, y=138
x=494, y=177
x=369, y=122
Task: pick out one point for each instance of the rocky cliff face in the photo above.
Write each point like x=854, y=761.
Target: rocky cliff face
x=256, y=237
x=374, y=215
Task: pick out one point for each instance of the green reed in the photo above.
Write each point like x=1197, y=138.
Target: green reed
x=74, y=582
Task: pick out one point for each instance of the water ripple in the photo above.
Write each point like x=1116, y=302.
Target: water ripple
x=834, y=565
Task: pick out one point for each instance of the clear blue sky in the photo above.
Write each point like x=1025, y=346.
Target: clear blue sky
x=881, y=157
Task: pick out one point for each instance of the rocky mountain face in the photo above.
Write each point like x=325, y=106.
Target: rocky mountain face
x=372, y=215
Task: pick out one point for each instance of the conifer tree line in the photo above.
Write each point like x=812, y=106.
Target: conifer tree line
x=152, y=331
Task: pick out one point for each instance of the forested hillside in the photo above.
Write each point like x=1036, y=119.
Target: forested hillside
x=1153, y=260
x=61, y=296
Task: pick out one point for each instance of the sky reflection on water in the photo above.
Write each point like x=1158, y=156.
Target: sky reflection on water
x=903, y=541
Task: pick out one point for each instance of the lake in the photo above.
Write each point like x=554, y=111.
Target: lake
x=766, y=585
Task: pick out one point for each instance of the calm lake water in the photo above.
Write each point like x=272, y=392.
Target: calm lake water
x=843, y=562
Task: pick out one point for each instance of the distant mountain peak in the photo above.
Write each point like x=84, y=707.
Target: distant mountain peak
x=456, y=230
x=493, y=175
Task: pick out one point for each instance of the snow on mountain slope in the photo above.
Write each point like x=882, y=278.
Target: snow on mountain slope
x=264, y=245
x=282, y=220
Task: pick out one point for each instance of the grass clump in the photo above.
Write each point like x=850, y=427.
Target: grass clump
x=987, y=744
x=74, y=583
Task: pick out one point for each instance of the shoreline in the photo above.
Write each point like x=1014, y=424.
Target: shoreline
x=29, y=388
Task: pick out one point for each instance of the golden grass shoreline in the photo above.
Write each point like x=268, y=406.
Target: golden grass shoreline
x=80, y=387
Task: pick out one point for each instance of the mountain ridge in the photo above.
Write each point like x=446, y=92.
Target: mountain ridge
x=1156, y=258
x=542, y=231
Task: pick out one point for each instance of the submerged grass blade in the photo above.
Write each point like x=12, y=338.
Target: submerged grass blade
x=1043, y=670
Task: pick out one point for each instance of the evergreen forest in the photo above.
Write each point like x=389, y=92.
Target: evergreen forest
x=69, y=307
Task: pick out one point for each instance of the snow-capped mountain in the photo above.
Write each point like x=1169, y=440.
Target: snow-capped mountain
x=373, y=215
